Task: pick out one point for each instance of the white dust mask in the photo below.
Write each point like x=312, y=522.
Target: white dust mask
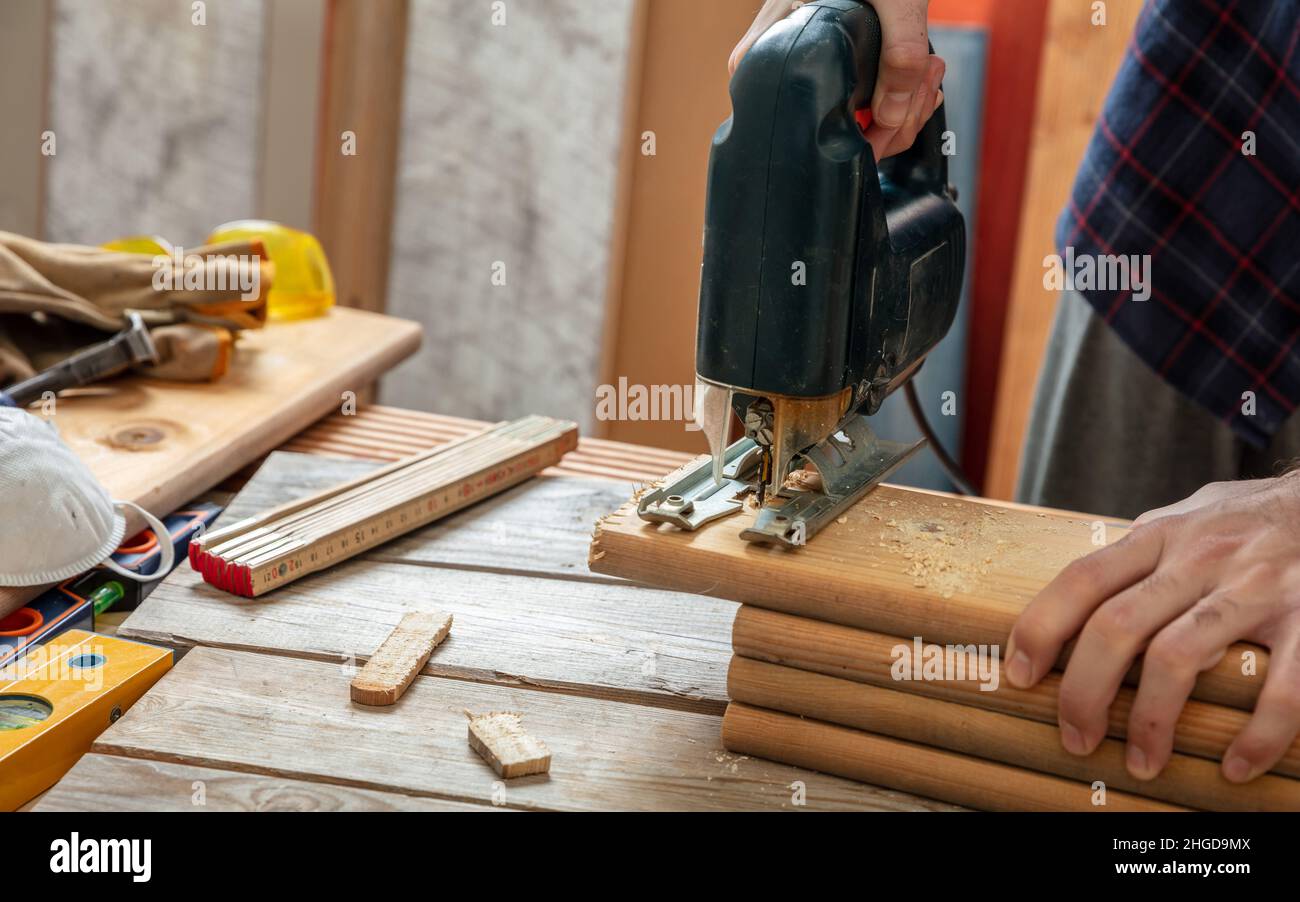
x=56, y=520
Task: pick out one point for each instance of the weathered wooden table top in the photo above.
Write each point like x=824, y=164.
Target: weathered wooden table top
x=626, y=684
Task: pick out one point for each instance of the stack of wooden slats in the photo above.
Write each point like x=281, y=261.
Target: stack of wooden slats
x=870, y=654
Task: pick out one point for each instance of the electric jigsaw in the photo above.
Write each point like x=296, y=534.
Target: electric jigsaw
x=827, y=279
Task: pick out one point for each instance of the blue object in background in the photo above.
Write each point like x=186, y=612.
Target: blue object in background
x=965, y=50
x=69, y=605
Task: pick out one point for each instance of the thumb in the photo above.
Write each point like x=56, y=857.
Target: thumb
x=904, y=60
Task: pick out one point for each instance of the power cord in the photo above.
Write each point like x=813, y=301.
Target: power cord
x=950, y=466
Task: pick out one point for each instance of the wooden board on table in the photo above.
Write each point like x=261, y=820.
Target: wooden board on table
x=511, y=570
x=110, y=783
x=291, y=719
x=1079, y=61
x=387, y=434
x=900, y=562
x=613, y=641
x=159, y=443
x=897, y=558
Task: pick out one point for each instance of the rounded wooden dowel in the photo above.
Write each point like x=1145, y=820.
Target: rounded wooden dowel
x=1203, y=729
x=908, y=767
x=1185, y=780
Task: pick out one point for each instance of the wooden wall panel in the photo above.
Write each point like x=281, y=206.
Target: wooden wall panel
x=294, y=52
x=1079, y=62
x=24, y=66
x=361, y=118
x=156, y=118
x=510, y=143
x=683, y=99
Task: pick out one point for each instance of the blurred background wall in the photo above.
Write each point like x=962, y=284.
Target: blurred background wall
x=157, y=121
x=508, y=167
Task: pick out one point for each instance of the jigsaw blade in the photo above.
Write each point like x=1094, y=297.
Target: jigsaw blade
x=713, y=416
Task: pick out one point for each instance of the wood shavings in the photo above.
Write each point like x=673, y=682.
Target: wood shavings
x=804, y=481
x=944, y=551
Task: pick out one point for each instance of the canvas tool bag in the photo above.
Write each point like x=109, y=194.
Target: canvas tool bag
x=56, y=299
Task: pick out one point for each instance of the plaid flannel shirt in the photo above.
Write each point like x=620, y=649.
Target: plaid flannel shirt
x=1169, y=173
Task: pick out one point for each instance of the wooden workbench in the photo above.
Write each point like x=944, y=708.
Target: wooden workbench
x=626, y=684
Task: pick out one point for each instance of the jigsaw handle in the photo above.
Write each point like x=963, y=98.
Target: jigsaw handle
x=923, y=163
x=823, y=270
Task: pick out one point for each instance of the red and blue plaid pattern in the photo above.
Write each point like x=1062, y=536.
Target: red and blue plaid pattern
x=1165, y=175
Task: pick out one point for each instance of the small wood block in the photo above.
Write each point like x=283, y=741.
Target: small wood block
x=500, y=740
x=401, y=656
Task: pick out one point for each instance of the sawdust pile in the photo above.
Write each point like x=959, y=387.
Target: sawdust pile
x=947, y=550
x=962, y=547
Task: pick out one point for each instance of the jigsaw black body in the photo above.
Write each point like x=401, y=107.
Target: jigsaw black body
x=827, y=279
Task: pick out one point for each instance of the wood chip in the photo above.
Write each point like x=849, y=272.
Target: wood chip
x=401, y=656
x=500, y=740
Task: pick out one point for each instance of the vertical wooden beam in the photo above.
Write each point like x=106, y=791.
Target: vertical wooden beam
x=1079, y=62
x=627, y=160
x=365, y=51
x=24, y=79
x=294, y=48
x=682, y=99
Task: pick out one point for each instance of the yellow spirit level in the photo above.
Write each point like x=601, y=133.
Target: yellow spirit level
x=58, y=698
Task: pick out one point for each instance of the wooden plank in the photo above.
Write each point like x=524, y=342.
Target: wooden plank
x=284, y=476
x=867, y=657
x=288, y=718
x=1020, y=742
x=580, y=633
x=365, y=53
x=161, y=443
x=900, y=562
x=110, y=783
x=399, y=658
x=592, y=639
x=916, y=768
x=1079, y=62
x=542, y=527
